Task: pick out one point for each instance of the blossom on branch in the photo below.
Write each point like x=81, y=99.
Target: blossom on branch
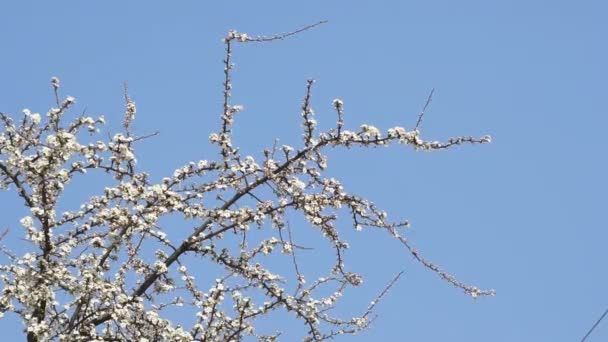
x=89, y=274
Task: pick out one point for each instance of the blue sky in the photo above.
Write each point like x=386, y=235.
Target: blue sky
x=522, y=215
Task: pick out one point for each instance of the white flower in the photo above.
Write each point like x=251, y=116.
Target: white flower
x=236, y=108
x=298, y=183
x=131, y=108
x=287, y=249
x=370, y=131
x=360, y=322
x=213, y=137
x=160, y=267
x=35, y=118
x=27, y=222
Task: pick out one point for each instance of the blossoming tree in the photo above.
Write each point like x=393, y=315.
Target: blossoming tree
x=108, y=270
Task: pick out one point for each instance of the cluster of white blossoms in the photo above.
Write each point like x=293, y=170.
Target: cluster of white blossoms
x=88, y=273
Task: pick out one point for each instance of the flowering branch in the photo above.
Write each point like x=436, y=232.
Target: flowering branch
x=109, y=268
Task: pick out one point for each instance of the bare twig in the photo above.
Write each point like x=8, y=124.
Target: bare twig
x=594, y=325
x=143, y=137
x=428, y=101
x=55, y=84
x=4, y=233
x=294, y=259
x=307, y=113
x=282, y=36
x=382, y=294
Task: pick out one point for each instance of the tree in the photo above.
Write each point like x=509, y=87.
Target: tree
x=109, y=271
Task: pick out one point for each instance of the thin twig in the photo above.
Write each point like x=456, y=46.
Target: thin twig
x=3, y=234
x=307, y=114
x=55, y=84
x=294, y=258
x=595, y=325
x=146, y=136
x=282, y=36
x=428, y=101
x=383, y=293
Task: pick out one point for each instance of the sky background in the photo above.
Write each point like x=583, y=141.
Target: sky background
x=522, y=215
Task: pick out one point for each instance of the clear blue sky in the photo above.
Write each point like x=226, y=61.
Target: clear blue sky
x=522, y=215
